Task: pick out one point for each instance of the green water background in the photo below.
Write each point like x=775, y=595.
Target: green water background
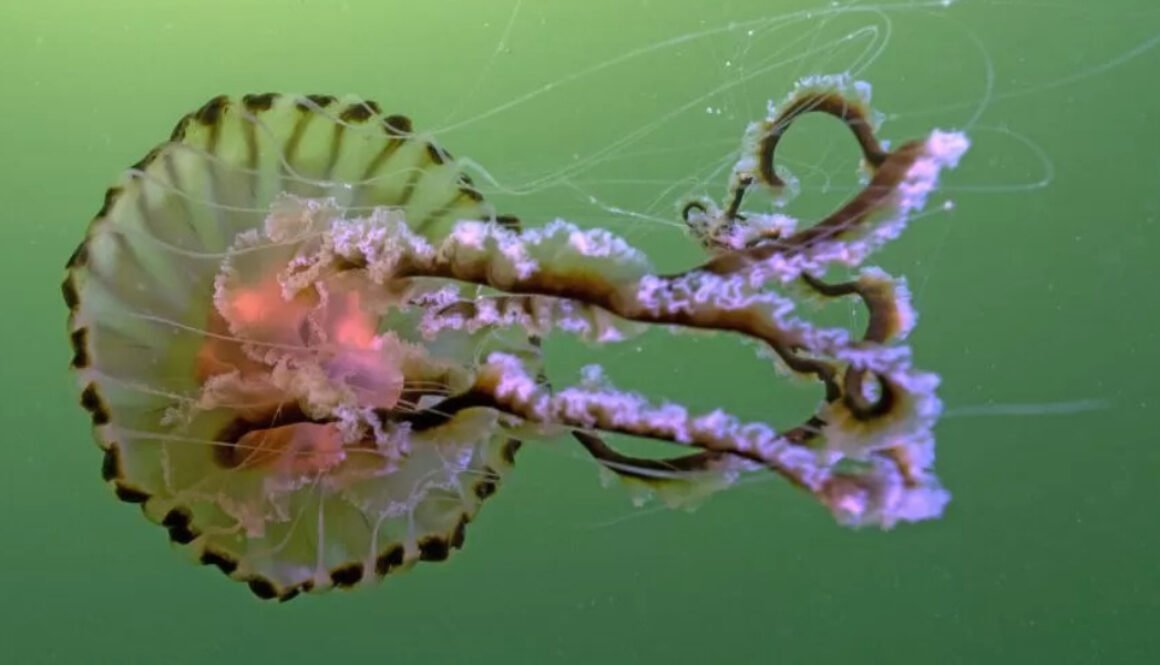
x=1038, y=288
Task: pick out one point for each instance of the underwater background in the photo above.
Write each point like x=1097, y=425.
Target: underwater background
x=1035, y=290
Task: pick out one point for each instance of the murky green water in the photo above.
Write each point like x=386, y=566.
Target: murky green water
x=1035, y=295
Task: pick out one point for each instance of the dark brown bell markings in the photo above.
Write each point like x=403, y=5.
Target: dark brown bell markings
x=211, y=113
x=434, y=548
x=91, y=400
x=356, y=113
x=220, y=560
x=388, y=560
x=129, y=494
x=256, y=103
x=179, y=523
x=397, y=125
x=79, y=340
x=111, y=464
x=321, y=101
x=263, y=588
x=111, y=196
x=145, y=161
x=78, y=259
x=347, y=575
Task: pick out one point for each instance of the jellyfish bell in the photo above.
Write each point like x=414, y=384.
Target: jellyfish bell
x=233, y=395
x=310, y=347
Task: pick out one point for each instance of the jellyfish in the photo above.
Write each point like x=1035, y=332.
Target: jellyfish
x=310, y=348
